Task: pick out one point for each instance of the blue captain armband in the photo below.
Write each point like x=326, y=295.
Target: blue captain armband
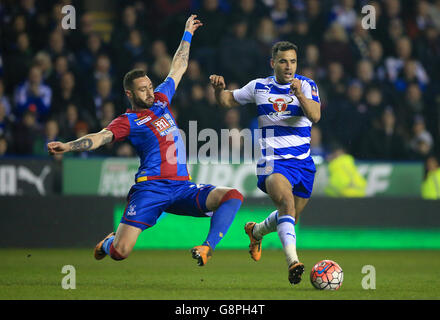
x=187, y=36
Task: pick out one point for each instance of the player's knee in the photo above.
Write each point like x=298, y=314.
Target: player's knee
x=232, y=194
x=118, y=253
x=285, y=204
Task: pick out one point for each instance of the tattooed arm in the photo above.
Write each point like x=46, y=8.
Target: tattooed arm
x=88, y=142
x=180, y=60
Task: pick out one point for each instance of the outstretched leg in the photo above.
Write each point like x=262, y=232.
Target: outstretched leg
x=118, y=245
x=224, y=202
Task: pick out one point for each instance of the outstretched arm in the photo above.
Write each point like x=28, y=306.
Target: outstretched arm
x=224, y=98
x=180, y=60
x=86, y=143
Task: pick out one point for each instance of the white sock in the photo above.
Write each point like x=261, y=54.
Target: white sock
x=267, y=226
x=286, y=233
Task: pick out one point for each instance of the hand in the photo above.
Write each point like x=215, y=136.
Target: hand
x=296, y=87
x=192, y=24
x=57, y=147
x=217, y=82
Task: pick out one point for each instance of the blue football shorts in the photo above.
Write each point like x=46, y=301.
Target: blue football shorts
x=147, y=200
x=300, y=175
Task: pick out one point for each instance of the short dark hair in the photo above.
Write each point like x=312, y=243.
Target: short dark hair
x=132, y=75
x=283, y=46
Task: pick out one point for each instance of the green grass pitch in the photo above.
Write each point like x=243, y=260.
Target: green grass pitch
x=230, y=274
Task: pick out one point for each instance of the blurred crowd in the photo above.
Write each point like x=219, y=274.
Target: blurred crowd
x=379, y=87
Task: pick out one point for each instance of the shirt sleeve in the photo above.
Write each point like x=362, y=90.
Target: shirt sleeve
x=310, y=90
x=120, y=127
x=167, y=88
x=246, y=94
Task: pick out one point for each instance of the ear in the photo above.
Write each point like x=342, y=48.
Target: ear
x=128, y=94
x=272, y=63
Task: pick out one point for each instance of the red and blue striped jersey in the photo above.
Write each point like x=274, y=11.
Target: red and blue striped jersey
x=154, y=134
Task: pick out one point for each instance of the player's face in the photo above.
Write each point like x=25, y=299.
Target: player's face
x=284, y=66
x=142, y=95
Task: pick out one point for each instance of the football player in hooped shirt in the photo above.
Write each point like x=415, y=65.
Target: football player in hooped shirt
x=162, y=181
x=287, y=106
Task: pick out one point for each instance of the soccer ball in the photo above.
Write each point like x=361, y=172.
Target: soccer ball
x=326, y=275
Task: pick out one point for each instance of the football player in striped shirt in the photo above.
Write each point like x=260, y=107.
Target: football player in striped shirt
x=287, y=105
x=162, y=181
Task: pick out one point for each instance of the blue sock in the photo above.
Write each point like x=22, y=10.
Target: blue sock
x=222, y=218
x=107, y=243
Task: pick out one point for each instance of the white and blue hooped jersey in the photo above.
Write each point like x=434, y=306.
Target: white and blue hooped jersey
x=285, y=130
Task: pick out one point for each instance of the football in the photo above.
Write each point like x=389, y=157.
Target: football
x=326, y=275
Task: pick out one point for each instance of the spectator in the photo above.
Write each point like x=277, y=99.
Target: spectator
x=375, y=55
x=103, y=94
x=87, y=55
x=248, y=11
x=19, y=61
x=408, y=74
x=394, y=32
x=65, y=95
x=61, y=67
x=5, y=123
x=344, y=14
x=348, y=120
x=127, y=23
x=79, y=38
x=421, y=20
x=333, y=87
x=421, y=143
x=266, y=35
x=68, y=120
x=238, y=54
x=160, y=69
x=282, y=16
x=4, y=100
x=33, y=94
x=24, y=133
x=133, y=49
x=317, y=20
x=335, y=47
x=365, y=72
x=209, y=36
x=344, y=177
x=434, y=13
x=427, y=50
x=403, y=53
x=360, y=40
x=412, y=105
x=300, y=35
x=384, y=143
x=431, y=182
x=50, y=133
x=44, y=62
x=56, y=44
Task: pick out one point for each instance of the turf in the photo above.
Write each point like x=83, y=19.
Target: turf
x=170, y=274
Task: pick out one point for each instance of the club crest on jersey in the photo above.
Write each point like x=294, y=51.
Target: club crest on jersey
x=280, y=105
